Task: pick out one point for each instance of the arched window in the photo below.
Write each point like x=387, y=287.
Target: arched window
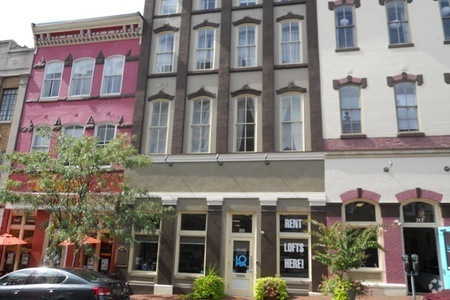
x=418, y=212
x=81, y=80
x=52, y=79
x=200, y=125
x=112, y=75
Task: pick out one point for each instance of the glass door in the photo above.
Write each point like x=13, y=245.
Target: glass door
x=444, y=255
x=241, y=279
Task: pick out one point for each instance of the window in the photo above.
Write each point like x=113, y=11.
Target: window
x=205, y=49
x=350, y=108
x=105, y=133
x=397, y=22
x=169, y=7
x=41, y=139
x=75, y=131
x=8, y=103
x=207, y=4
x=445, y=12
x=145, y=252
x=291, y=122
x=247, y=2
x=158, y=127
x=345, y=26
x=362, y=213
x=192, y=243
x=290, y=42
x=201, y=119
x=18, y=278
x=81, y=81
x=245, y=124
x=247, y=46
x=418, y=212
x=165, y=53
x=293, y=241
x=405, y=102
x=112, y=75
x=52, y=79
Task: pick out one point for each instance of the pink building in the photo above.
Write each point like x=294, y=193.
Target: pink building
x=82, y=82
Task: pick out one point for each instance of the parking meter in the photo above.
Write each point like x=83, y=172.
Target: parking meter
x=406, y=264
x=415, y=263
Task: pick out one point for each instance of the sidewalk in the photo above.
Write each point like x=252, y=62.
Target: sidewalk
x=174, y=297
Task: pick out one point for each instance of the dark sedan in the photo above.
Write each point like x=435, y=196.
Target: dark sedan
x=61, y=284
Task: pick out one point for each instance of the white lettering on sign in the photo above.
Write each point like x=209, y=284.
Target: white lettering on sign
x=290, y=263
x=294, y=247
x=293, y=223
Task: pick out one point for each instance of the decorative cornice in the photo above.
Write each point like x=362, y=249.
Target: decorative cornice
x=391, y=80
x=382, y=2
x=165, y=27
x=68, y=61
x=247, y=20
x=121, y=124
x=201, y=93
x=100, y=59
x=291, y=87
x=350, y=80
x=290, y=16
x=57, y=126
x=130, y=57
x=206, y=23
x=333, y=4
x=90, y=123
x=160, y=95
x=246, y=90
x=29, y=128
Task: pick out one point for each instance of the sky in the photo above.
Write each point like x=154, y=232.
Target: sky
x=16, y=16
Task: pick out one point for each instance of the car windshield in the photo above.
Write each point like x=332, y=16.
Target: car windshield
x=90, y=276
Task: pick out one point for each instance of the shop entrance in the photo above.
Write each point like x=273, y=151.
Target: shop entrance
x=422, y=241
x=240, y=262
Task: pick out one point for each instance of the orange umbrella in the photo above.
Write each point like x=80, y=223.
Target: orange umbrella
x=87, y=240
x=7, y=239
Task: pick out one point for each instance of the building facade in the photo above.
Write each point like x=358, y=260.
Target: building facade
x=82, y=82
x=228, y=107
x=15, y=65
x=385, y=95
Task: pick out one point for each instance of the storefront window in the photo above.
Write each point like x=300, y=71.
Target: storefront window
x=294, y=246
x=145, y=253
x=418, y=212
x=242, y=224
x=191, y=249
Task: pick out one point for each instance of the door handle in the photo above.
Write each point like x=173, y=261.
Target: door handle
x=51, y=290
x=15, y=292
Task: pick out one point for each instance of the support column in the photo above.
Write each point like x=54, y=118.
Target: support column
x=214, y=233
x=319, y=213
x=268, y=236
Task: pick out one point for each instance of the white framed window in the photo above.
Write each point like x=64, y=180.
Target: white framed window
x=8, y=104
x=207, y=4
x=52, y=79
x=362, y=214
x=350, y=108
x=41, y=138
x=191, y=243
x=169, y=7
x=245, y=131
x=290, y=42
x=112, y=75
x=165, y=52
x=200, y=125
x=247, y=2
x=81, y=79
x=158, y=131
x=205, y=49
x=292, y=122
x=145, y=252
x=397, y=18
x=445, y=13
x=406, y=105
x=105, y=133
x=246, y=47
x=75, y=131
x=294, y=246
x=345, y=26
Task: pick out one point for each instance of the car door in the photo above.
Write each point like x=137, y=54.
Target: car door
x=42, y=285
x=12, y=284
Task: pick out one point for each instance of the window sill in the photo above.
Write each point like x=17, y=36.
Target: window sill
x=347, y=49
x=246, y=69
x=78, y=97
x=410, y=134
x=348, y=136
x=168, y=74
x=406, y=45
x=290, y=66
x=168, y=15
x=247, y=7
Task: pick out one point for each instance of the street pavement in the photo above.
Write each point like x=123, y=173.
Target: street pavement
x=175, y=297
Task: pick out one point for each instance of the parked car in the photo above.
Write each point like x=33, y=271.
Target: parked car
x=442, y=295
x=61, y=284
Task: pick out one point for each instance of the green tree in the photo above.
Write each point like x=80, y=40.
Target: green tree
x=82, y=186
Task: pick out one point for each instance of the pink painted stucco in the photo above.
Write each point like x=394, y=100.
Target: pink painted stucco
x=391, y=240
x=424, y=194
x=102, y=109
x=353, y=194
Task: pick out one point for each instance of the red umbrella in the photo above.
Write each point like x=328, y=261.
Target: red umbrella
x=7, y=239
x=87, y=240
